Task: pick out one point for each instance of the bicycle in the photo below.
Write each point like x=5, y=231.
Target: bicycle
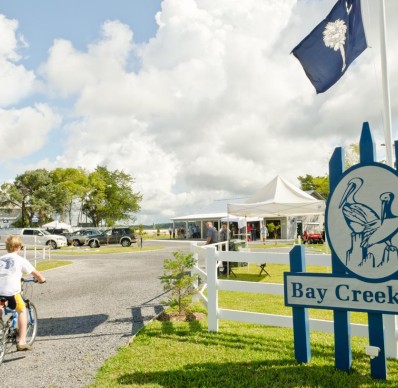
x=9, y=329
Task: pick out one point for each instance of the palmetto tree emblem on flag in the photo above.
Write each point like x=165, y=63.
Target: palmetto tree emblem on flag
x=342, y=30
x=334, y=36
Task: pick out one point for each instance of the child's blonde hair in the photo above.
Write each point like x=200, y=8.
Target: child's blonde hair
x=13, y=243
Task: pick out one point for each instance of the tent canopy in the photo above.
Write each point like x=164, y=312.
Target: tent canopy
x=278, y=198
x=232, y=218
x=57, y=225
x=217, y=209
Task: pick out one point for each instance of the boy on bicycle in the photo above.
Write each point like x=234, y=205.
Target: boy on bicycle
x=12, y=266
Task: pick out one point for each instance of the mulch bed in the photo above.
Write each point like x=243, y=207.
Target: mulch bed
x=175, y=316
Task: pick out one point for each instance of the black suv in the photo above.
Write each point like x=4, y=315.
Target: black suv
x=122, y=236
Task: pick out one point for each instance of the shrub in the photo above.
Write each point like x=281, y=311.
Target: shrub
x=178, y=280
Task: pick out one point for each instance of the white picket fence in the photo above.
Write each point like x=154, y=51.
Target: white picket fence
x=36, y=253
x=208, y=259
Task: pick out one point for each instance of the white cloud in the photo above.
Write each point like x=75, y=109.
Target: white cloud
x=9, y=42
x=213, y=106
x=16, y=82
x=25, y=130
x=69, y=71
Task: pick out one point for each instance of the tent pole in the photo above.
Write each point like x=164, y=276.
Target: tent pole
x=390, y=321
x=386, y=88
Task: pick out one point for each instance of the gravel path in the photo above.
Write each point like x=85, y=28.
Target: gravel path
x=86, y=312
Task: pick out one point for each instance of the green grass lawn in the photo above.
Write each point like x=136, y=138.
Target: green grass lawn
x=312, y=248
x=181, y=354
x=51, y=264
x=185, y=354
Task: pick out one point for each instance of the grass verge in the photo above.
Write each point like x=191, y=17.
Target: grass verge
x=185, y=354
x=51, y=264
x=312, y=248
x=270, y=246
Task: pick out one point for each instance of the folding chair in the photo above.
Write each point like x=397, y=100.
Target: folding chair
x=262, y=269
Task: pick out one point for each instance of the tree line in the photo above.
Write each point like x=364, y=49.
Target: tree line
x=101, y=196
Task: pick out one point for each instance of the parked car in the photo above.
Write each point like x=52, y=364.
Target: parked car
x=80, y=237
x=122, y=236
x=34, y=237
x=60, y=231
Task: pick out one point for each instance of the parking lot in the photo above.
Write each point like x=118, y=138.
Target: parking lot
x=86, y=311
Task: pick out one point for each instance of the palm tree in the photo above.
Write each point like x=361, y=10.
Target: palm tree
x=334, y=36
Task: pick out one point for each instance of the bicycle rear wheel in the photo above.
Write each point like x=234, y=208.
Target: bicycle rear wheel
x=31, y=331
x=2, y=341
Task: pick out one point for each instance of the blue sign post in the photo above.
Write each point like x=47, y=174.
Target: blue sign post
x=362, y=229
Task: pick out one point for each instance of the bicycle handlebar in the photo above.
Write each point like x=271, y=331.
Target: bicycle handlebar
x=31, y=280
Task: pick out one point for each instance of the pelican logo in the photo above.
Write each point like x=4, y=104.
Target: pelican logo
x=362, y=222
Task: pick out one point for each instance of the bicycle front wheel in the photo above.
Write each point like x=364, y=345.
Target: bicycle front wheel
x=2, y=341
x=31, y=331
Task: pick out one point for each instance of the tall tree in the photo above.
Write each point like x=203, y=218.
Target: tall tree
x=111, y=197
x=32, y=192
x=71, y=188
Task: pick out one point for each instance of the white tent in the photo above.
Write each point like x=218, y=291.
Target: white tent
x=57, y=225
x=278, y=198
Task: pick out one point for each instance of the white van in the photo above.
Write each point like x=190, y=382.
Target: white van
x=34, y=237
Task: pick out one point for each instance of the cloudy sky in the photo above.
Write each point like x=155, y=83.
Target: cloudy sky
x=197, y=99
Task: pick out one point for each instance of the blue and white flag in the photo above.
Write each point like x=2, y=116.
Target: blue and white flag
x=333, y=44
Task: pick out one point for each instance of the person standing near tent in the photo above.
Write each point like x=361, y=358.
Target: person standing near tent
x=225, y=235
x=249, y=231
x=264, y=233
x=253, y=232
x=211, y=234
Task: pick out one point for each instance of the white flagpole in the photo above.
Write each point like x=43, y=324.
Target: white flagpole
x=385, y=87
x=390, y=339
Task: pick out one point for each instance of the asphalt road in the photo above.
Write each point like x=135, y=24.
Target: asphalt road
x=88, y=310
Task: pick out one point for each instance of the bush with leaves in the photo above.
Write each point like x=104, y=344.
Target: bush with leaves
x=273, y=229
x=177, y=279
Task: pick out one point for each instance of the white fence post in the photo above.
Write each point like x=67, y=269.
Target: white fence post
x=213, y=284
x=390, y=330
x=211, y=269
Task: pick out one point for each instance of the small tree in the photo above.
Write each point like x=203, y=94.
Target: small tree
x=273, y=229
x=178, y=280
